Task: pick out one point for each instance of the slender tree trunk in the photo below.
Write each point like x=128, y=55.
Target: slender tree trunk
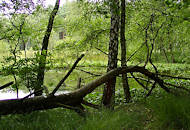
x=42, y=62
x=109, y=89
x=123, y=52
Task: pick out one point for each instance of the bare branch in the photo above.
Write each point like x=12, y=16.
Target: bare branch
x=105, y=53
x=90, y=104
x=101, y=51
x=67, y=75
x=6, y=85
x=145, y=87
x=175, y=77
x=153, y=86
x=179, y=87
x=88, y=72
x=31, y=94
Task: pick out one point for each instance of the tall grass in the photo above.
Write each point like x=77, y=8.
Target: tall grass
x=109, y=120
x=59, y=119
x=56, y=119
x=171, y=112
x=163, y=113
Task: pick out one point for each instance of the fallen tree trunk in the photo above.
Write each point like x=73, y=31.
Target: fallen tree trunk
x=73, y=99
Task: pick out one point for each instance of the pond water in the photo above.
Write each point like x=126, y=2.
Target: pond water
x=13, y=95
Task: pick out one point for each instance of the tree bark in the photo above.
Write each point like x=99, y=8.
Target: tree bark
x=42, y=62
x=109, y=89
x=70, y=100
x=123, y=52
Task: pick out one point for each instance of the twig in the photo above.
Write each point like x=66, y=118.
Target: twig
x=148, y=81
x=145, y=87
x=175, y=77
x=88, y=72
x=135, y=52
x=101, y=50
x=180, y=87
x=153, y=86
x=67, y=75
x=105, y=53
x=31, y=94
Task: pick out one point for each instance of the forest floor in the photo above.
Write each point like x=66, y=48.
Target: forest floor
x=155, y=113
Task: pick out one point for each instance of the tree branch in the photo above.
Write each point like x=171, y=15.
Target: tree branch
x=90, y=104
x=67, y=75
x=136, y=79
x=6, y=85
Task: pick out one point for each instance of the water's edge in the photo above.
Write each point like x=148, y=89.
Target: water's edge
x=13, y=95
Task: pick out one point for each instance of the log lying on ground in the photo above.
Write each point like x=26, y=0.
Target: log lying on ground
x=72, y=99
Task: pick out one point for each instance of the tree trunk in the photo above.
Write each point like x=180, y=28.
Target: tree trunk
x=70, y=100
x=123, y=52
x=42, y=62
x=109, y=89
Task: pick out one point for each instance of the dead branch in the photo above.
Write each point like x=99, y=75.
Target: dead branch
x=174, y=77
x=153, y=86
x=105, y=52
x=31, y=94
x=6, y=85
x=179, y=87
x=90, y=104
x=67, y=75
x=88, y=72
x=101, y=50
x=145, y=87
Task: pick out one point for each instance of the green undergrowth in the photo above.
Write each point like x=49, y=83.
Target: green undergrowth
x=61, y=119
x=156, y=112
x=170, y=112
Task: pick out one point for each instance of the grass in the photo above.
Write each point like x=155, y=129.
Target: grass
x=167, y=112
x=56, y=119
x=171, y=112
x=61, y=119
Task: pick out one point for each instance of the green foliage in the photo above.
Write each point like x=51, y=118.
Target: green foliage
x=52, y=119
x=163, y=112
x=64, y=119
x=168, y=29
x=3, y=50
x=113, y=120
x=25, y=69
x=171, y=112
x=82, y=32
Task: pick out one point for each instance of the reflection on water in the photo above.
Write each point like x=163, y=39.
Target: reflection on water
x=13, y=95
